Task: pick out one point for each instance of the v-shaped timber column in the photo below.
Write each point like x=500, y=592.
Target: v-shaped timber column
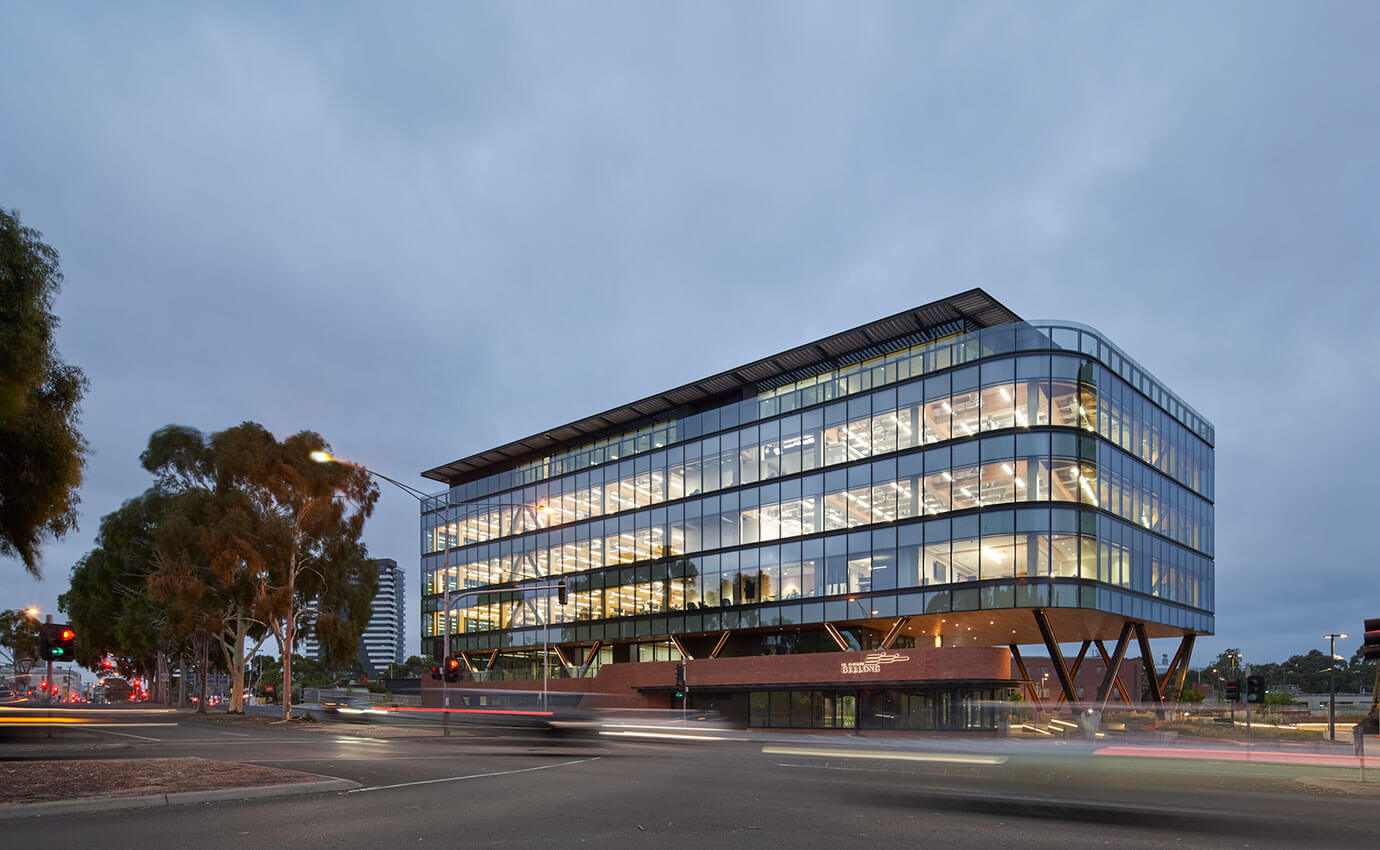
x=1029, y=685
x=1077, y=665
x=1173, y=676
x=1173, y=681
x=1178, y=666
x=680, y=647
x=1104, y=690
x=570, y=669
x=1056, y=658
x=589, y=657
x=1030, y=688
x=894, y=632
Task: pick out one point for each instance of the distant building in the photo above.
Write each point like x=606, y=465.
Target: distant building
x=1086, y=679
x=1347, y=704
x=382, y=641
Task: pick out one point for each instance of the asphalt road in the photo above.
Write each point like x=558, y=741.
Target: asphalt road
x=493, y=788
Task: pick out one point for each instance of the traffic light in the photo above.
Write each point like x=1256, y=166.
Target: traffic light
x=67, y=642
x=562, y=593
x=680, y=680
x=1371, y=647
x=1234, y=690
x=435, y=672
x=1255, y=689
x=57, y=642
x=453, y=668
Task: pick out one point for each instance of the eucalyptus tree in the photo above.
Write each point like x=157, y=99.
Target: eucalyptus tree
x=305, y=558
x=201, y=578
x=108, y=599
x=42, y=454
x=240, y=539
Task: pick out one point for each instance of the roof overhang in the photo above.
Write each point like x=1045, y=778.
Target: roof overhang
x=966, y=311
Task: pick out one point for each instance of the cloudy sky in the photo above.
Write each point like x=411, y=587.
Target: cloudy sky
x=426, y=230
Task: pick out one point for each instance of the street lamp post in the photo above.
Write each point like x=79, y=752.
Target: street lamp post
x=1332, y=685
x=326, y=457
x=422, y=499
x=559, y=586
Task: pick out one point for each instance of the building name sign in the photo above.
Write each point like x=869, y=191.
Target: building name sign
x=871, y=663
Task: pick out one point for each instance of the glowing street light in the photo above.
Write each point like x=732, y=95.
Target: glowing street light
x=1332, y=685
x=321, y=456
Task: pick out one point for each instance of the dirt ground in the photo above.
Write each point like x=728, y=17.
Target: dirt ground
x=44, y=780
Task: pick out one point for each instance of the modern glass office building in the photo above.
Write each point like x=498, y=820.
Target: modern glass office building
x=861, y=531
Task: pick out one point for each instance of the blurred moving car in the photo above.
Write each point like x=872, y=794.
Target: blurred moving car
x=355, y=708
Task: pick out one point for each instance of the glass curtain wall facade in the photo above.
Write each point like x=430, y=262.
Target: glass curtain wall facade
x=1016, y=466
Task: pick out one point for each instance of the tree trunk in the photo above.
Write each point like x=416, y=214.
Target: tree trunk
x=287, y=684
x=160, y=679
x=237, y=669
x=203, y=663
x=290, y=621
x=182, y=680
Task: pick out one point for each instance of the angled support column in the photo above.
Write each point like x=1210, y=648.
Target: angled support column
x=1055, y=658
x=1178, y=669
x=1104, y=691
x=493, y=659
x=1107, y=660
x=589, y=657
x=719, y=647
x=569, y=668
x=838, y=637
x=1077, y=665
x=1029, y=685
x=680, y=647
x=1147, y=660
x=894, y=633
x=465, y=659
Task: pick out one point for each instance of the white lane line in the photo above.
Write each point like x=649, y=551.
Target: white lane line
x=470, y=776
x=352, y=758
x=123, y=734
x=238, y=743
x=829, y=767
x=893, y=755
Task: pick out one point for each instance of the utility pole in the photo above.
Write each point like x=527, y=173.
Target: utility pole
x=48, y=694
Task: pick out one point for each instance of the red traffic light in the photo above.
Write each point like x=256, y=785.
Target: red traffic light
x=68, y=634
x=452, y=668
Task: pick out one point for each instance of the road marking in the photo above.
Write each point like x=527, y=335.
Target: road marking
x=123, y=734
x=829, y=767
x=673, y=735
x=1261, y=757
x=470, y=776
x=894, y=755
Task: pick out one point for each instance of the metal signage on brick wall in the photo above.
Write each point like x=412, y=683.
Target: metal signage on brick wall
x=871, y=663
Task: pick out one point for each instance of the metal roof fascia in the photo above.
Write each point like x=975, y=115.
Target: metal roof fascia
x=973, y=305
